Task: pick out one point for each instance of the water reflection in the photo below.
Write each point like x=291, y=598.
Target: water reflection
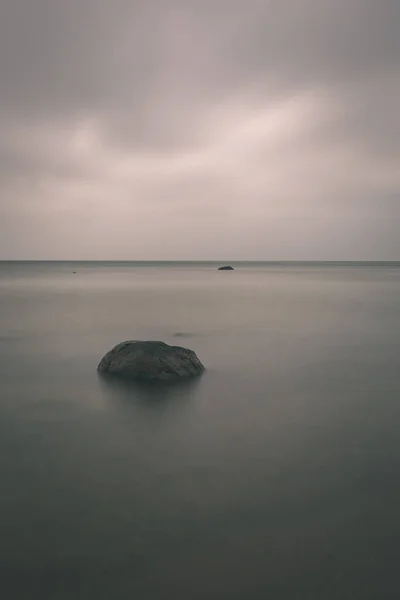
x=149, y=396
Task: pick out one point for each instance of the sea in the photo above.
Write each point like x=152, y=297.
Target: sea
x=273, y=476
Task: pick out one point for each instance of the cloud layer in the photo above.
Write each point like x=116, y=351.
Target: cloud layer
x=201, y=130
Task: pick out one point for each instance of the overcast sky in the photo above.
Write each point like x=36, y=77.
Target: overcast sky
x=200, y=129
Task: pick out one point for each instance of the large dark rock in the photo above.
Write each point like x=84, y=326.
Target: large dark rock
x=150, y=361
x=226, y=268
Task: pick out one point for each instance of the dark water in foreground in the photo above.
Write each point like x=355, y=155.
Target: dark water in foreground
x=275, y=476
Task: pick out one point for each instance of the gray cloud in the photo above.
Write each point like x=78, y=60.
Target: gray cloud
x=261, y=125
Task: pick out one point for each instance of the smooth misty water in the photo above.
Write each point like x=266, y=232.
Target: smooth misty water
x=274, y=476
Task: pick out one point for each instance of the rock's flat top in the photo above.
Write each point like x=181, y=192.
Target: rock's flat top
x=226, y=268
x=150, y=361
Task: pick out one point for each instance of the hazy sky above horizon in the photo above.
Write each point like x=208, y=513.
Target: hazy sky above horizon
x=200, y=129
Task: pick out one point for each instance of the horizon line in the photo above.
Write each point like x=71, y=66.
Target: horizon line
x=126, y=260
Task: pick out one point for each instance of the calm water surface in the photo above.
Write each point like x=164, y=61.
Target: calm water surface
x=274, y=476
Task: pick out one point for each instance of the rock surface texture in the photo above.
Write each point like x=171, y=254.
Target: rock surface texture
x=150, y=361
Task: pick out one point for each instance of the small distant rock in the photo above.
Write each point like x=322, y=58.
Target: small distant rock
x=183, y=334
x=150, y=361
x=226, y=268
